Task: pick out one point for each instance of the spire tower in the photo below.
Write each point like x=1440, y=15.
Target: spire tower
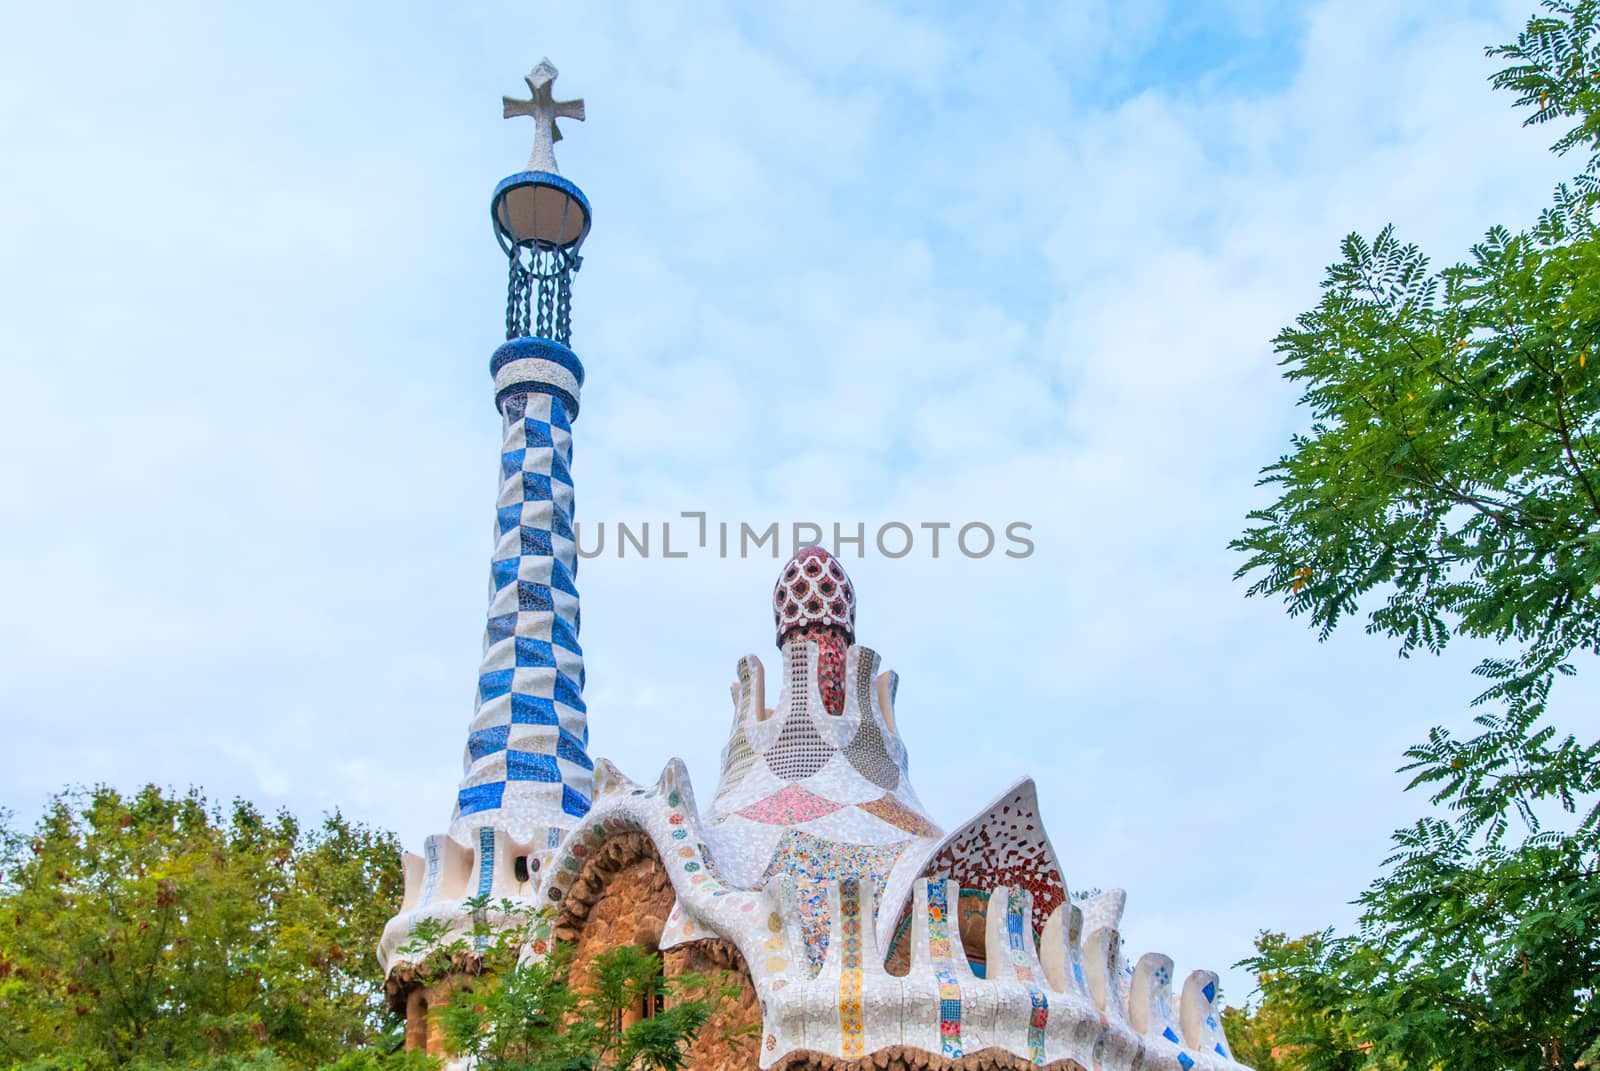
x=527, y=767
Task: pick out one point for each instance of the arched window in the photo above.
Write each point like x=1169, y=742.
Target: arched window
x=972, y=910
x=417, y=1022
x=972, y=915
x=651, y=1003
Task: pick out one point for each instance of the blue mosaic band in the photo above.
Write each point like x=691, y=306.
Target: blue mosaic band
x=538, y=178
x=537, y=366
x=1018, y=915
x=527, y=762
x=940, y=920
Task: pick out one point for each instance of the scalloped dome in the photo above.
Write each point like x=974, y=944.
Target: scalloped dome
x=813, y=590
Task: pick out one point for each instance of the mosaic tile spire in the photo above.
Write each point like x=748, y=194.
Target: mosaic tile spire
x=528, y=771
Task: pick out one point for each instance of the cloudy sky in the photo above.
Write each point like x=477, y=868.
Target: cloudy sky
x=850, y=264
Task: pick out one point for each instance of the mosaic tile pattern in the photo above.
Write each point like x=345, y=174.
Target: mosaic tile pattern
x=737, y=759
x=869, y=754
x=1018, y=915
x=1006, y=846
x=831, y=647
x=813, y=862
x=739, y=755
x=939, y=919
x=485, y=878
x=788, y=806
x=851, y=1028
x=815, y=814
x=1150, y=1006
x=897, y=814
x=798, y=766
x=800, y=749
x=485, y=860
x=527, y=762
x=430, y=882
x=849, y=1006
x=813, y=590
x=1202, y=1020
x=1079, y=981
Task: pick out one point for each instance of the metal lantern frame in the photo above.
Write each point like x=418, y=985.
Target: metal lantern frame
x=540, y=269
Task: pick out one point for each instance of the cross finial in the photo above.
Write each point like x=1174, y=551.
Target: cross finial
x=545, y=110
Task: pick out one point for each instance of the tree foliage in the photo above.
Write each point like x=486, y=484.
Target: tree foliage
x=1449, y=485
x=150, y=930
x=542, y=1011
x=1555, y=72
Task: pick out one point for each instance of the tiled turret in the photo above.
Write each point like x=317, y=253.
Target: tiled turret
x=527, y=779
x=528, y=770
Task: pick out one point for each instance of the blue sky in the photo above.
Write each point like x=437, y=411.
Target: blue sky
x=849, y=263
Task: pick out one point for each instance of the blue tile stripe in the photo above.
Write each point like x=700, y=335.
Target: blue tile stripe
x=480, y=798
x=527, y=749
x=485, y=860
x=941, y=924
x=485, y=876
x=545, y=349
x=430, y=881
x=1016, y=941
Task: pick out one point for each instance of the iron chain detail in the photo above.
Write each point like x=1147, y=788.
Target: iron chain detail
x=544, y=328
x=517, y=299
x=539, y=293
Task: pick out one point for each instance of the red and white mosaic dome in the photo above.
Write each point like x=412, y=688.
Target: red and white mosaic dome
x=813, y=591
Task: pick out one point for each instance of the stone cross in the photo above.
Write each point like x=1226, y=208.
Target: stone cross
x=545, y=110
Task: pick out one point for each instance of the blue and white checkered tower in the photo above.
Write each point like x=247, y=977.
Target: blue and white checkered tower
x=528, y=771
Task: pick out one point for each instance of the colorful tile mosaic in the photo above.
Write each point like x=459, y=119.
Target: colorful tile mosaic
x=814, y=861
x=1006, y=846
x=789, y=806
x=1018, y=917
x=944, y=969
x=851, y=1029
x=897, y=814
x=804, y=764
x=814, y=590
x=831, y=648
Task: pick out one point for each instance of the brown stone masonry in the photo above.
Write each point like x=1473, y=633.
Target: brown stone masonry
x=623, y=896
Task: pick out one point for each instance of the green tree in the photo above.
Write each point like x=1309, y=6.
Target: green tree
x=520, y=1012
x=149, y=930
x=1450, y=486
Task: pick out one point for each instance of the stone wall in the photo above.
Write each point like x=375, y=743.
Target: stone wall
x=423, y=1003
x=729, y=1040
x=623, y=896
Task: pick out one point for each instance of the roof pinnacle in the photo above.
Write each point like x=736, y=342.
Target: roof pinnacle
x=545, y=110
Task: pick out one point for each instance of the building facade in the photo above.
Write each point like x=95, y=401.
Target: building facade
x=863, y=934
